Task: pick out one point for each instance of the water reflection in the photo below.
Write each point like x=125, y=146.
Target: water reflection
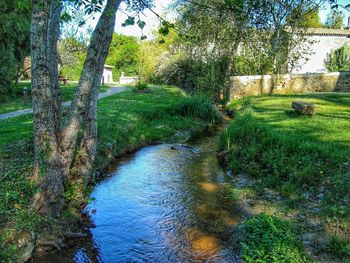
x=162, y=204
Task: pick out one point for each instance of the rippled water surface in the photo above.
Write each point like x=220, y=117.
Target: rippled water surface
x=162, y=204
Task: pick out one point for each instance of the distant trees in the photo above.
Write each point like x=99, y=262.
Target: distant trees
x=225, y=37
x=335, y=19
x=72, y=55
x=123, y=55
x=312, y=20
x=14, y=39
x=338, y=60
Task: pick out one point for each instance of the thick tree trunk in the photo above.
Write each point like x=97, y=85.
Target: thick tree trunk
x=84, y=105
x=53, y=36
x=47, y=167
x=87, y=151
x=55, y=147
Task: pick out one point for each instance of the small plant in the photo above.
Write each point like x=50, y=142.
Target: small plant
x=270, y=239
x=339, y=247
x=142, y=87
x=7, y=252
x=338, y=60
x=231, y=193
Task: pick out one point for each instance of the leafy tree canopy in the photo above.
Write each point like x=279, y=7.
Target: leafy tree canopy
x=123, y=55
x=14, y=38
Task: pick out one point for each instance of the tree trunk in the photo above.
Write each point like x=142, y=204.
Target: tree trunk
x=53, y=36
x=228, y=70
x=48, y=200
x=84, y=105
x=55, y=147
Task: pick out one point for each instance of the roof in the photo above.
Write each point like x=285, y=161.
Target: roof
x=108, y=66
x=328, y=32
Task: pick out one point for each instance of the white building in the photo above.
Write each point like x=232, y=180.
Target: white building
x=107, y=76
x=324, y=41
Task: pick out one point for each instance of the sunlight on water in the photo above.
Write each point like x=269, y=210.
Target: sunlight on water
x=162, y=204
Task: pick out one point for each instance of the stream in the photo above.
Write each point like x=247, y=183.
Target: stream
x=163, y=203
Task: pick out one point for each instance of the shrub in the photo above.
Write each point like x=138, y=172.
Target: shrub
x=199, y=106
x=270, y=239
x=141, y=86
x=338, y=60
x=339, y=247
x=192, y=74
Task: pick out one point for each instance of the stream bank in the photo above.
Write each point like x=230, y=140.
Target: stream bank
x=126, y=122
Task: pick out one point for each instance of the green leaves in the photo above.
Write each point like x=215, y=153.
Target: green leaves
x=130, y=21
x=66, y=17
x=141, y=24
x=165, y=28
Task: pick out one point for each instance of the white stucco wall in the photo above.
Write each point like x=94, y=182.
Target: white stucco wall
x=322, y=45
x=128, y=80
x=107, y=75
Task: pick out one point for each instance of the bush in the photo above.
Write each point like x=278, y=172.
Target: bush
x=270, y=239
x=193, y=75
x=199, y=106
x=338, y=60
x=141, y=86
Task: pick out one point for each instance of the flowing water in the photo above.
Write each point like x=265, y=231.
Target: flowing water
x=164, y=203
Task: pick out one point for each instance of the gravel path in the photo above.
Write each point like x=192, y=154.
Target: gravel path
x=110, y=92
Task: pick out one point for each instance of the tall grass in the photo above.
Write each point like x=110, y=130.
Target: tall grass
x=199, y=106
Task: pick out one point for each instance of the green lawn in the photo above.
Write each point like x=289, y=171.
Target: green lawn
x=15, y=102
x=126, y=121
x=297, y=154
x=267, y=138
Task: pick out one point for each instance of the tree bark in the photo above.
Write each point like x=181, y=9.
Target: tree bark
x=47, y=172
x=232, y=55
x=83, y=108
x=53, y=36
x=55, y=147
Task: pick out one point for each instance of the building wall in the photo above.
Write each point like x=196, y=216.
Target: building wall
x=242, y=86
x=107, y=75
x=322, y=45
x=128, y=80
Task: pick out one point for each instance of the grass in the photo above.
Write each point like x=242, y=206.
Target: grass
x=126, y=122
x=270, y=239
x=15, y=101
x=269, y=140
x=297, y=154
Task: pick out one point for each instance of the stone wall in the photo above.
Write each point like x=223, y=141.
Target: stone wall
x=128, y=80
x=242, y=86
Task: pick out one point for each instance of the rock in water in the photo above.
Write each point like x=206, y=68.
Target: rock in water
x=304, y=108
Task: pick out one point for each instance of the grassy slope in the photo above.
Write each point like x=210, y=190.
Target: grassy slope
x=15, y=103
x=126, y=121
x=297, y=154
x=271, y=131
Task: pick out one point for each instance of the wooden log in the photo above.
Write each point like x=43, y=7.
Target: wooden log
x=304, y=108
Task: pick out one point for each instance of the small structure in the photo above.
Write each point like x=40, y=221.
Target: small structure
x=107, y=76
x=128, y=80
x=304, y=108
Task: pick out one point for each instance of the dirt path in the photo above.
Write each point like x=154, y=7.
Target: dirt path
x=110, y=92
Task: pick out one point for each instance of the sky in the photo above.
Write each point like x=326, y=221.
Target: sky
x=161, y=7
x=326, y=10
x=152, y=22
